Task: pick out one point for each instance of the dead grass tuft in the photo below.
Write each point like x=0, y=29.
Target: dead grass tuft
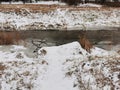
x=85, y=43
x=2, y=67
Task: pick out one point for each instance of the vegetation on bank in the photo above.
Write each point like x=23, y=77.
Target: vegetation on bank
x=69, y=2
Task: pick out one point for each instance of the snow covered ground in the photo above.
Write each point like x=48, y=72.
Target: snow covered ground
x=62, y=18
x=64, y=67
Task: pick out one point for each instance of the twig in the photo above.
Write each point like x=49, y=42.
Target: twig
x=38, y=44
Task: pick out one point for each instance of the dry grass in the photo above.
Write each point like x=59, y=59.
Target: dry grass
x=2, y=67
x=32, y=8
x=85, y=43
x=9, y=38
x=45, y=8
x=97, y=74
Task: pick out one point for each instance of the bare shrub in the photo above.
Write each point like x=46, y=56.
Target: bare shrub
x=9, y=38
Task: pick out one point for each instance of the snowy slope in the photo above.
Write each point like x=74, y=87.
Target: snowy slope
x=65, y=67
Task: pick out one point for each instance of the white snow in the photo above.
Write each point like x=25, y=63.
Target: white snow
x=49, y=3
x=90, y=5
x=19, y=2
x=56, y=69
x=39, y=2
x=55, y=76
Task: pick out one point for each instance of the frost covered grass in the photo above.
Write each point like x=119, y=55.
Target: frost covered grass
x=64, y=67
x=95, y=72
x=55, y=17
